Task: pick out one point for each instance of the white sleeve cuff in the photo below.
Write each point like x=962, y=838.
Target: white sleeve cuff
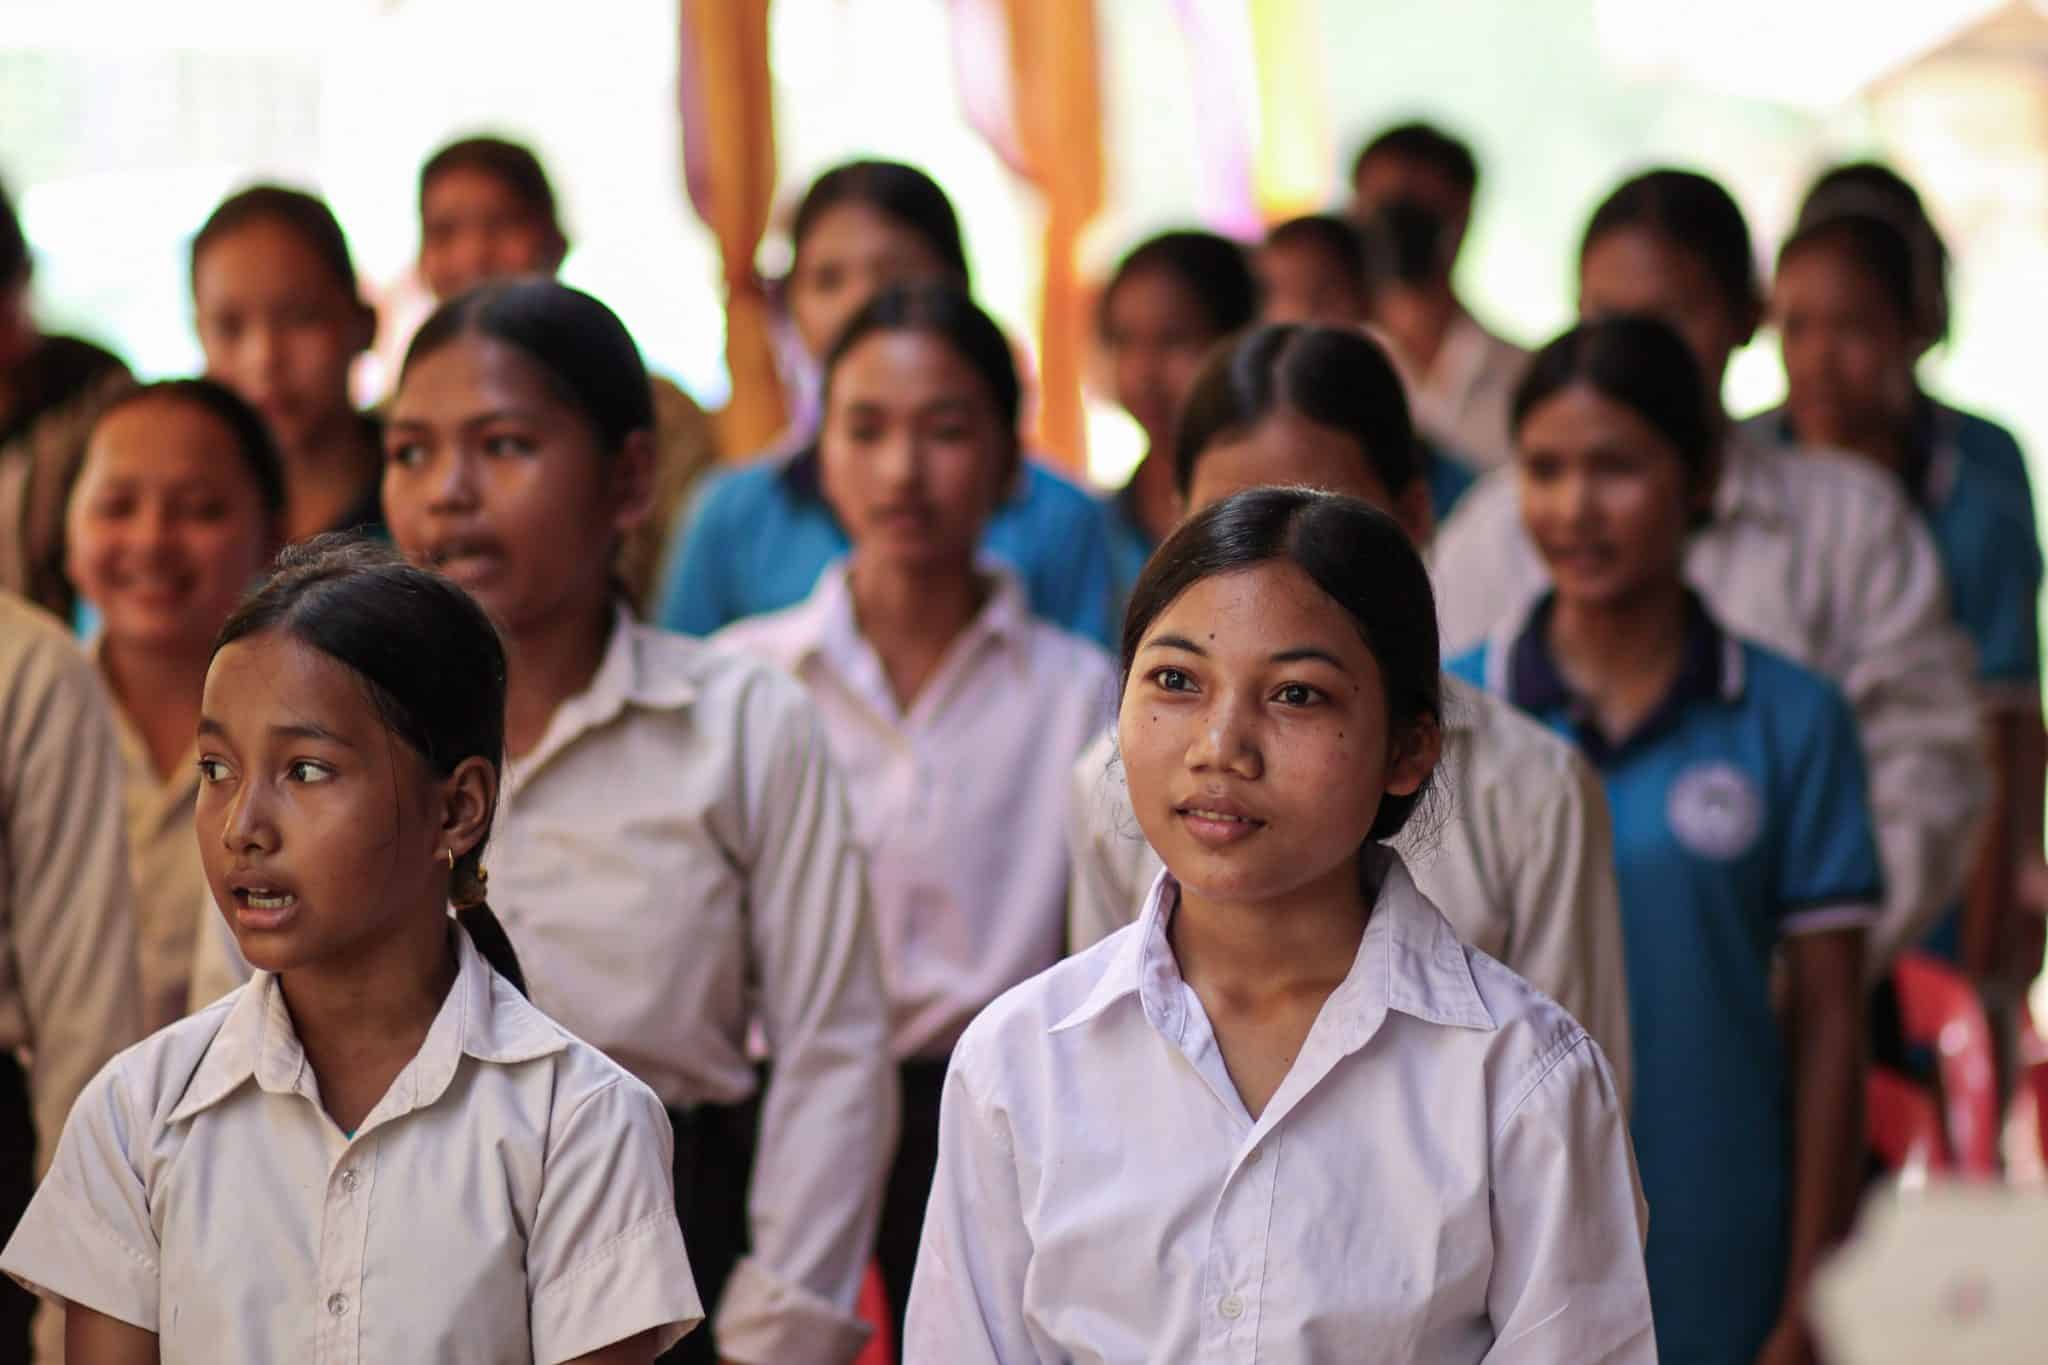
x=1819, y=919
x=763, y=1318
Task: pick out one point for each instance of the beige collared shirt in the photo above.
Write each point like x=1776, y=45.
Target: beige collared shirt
x=173, y=904
x=1516, y=852
x=508, y=1200
x=1821, y=558
x=960, y=803
x=674, y=862
x=1444, y=1175
x=1462, y=403
x=67, y=926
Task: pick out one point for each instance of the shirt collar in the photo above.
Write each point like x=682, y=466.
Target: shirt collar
x=1409, y=961
x=625, y=677
x=170, y=791
x=824, y=626
x=483, y=1017
x=1748, y=486
x=1521, y=667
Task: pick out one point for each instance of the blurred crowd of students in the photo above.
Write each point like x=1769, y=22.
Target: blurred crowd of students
x=1412, y=875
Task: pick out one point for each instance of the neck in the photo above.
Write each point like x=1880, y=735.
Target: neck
x=1419, y=318
x=159, y=690
x=374, y=1008
x=1152, y=483
x=549, y=665
x=1622, y=654
x=1305, y=939
x=327, y=472
x=911, y=614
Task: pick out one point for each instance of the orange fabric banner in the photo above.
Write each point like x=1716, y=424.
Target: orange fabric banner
x=727, y=102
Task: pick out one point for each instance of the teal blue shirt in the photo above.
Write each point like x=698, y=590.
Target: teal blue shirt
x=1740, y=817
x=757, y=537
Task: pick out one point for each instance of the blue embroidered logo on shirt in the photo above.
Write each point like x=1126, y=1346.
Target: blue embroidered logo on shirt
x=1715, y=810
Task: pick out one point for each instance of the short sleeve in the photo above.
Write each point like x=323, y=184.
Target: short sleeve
x=1998, y=596
x=1829, y=876
x=1058, y=540
x=605, y=1259
x=87, y=1237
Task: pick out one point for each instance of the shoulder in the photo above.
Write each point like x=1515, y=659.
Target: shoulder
x=146, y=1081
x=1465, y=674
x=739, y=666
x=1506, y=743
x=591, y=1086
x=43, y=669
x=1489, y=502
x=741, y=492
x=1054, y=490
x=1779, y=682
x=1822, y=488
x=778, y=638
x=1058, y=653
x=1984, y=443
x=1015, y=1036
x=1535, y=1043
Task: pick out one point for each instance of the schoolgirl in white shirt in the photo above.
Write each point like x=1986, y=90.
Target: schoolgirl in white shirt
x=377, y=1149
x=1286, y=1116
x=954, y=712
x=675, y=861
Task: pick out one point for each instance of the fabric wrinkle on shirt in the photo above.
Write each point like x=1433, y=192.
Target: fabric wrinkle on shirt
x=1385, y=1203
x=203, y=1194
x=1462, y=403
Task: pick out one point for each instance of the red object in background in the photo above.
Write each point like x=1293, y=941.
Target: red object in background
x=1904, y=1123
x=1940, y=1009
x=2033, y=1076
x=874, y=1310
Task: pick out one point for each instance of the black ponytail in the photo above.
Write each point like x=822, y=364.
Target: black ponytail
x=428, y=656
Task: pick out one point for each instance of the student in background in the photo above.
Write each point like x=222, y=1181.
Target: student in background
x=1852, y=323
x=1816, y=556
x=1287, y=1113
x=756, y=539
x=1315, y=269
x=68, y=997
x=377, y=1146
x=51, y=388
x=955, y=713
x=281, y=322
x=487, y=212
x=1413, y=187
x=1741, y=832
x=176, y=512
x=1171, y=300
x=1522, y=863
x=677, y=864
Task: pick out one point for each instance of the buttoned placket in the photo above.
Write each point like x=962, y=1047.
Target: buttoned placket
x=344, y=1245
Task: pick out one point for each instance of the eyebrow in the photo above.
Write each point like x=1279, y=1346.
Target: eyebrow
x=304, y=730
x=1298, y=654
x=1176, y=642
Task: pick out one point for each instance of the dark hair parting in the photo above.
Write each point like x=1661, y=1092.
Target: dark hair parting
x=1695, y=214
x=1641, y=364
x=1215, y=270
x=903, y=194
x=944, y=311
x=304, y=214
x=428, y=656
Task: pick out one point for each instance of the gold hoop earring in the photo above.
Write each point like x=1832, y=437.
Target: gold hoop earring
x=451, y=860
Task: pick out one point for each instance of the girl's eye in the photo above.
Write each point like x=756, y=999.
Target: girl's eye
x=212, y=770
x=305, y=770
x=1297, y=694
x=406, y=455
x=1172, y=680
x=501, y=445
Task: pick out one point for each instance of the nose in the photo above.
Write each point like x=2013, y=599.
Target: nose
x=153, y=531
x=1226, y=737
x=899, y=462
x=451, y=482
x=247, y=827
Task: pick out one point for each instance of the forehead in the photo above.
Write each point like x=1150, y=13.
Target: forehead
x=1633, y=267
x=1155, y=298
x=261, y=256
x=905, y=369
x=1388, y=175
x=144, y=436
x=1297, y=256
x=1287, y=449
x=472, y=373
x=1580, y=417
x=272, y=679
x=855, y=228
x=1252, y=613
x=470, y=190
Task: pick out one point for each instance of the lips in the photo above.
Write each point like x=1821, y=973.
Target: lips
x=465, y=558
x=1218, y=821
x=263, y=904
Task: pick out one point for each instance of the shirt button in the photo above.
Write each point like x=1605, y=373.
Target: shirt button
x=337, y=1304
x=349, y=1181
x=1232, y=1307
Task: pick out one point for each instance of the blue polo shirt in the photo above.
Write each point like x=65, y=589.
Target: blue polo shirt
x=1740, y=817
x=757, y=537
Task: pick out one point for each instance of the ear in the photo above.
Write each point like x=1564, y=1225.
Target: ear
x=1410, y=765
x=632, y=471
x=468, y=796
x=1413, y=510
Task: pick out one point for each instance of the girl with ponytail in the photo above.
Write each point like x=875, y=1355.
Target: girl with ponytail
x=379, y=1108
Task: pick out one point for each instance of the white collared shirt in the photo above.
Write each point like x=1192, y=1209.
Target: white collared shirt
x=1444, y=1175
x=1521, y=861
x=67, y=926
x=508, y=1200
x=1462, y=403
x=961, y=802
x=1821, y=558
x=674, y=862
